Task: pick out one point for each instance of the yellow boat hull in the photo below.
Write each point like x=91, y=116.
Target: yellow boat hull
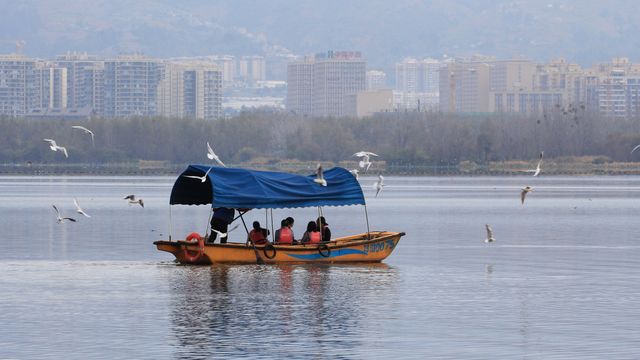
x=356, y=248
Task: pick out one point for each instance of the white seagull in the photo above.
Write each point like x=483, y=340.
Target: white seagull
x=364, y=161
x=55, y=147
x=635, y=148
x=490, y=237
x=525, y=191
x=212, y=156
x=79, y=209
x=538, y=168
x=201, y=178
x=221, y=234
x=320, y=177
x=378, y=185
x=59, y=217
x=85, y=130
x=132, y=200
x=354, y=172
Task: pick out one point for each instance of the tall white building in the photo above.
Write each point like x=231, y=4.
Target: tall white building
x=336, y=74
x=19, y=85
x=131, y=86
x=300, y=86
x=417, y=83
x=252, y=69
x=376, y=80
x=85, y=81
x=191, y=89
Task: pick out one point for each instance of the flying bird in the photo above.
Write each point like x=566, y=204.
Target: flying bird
x=364, y=156
x=85, y=130
x=635, y=148
x=201, y=178
x=354, y=172
x=538, y=168
x=55, y=147
x=212, y=156
x=490, y=237
x=59, y=218
x=378, y=185
x=221, y=234
x=132, y=200
x=320, y=177
x=525, y=191
x=79, y=209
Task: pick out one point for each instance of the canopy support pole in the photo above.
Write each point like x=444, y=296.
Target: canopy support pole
x=266, y=222
x=243, y=223
x=170, y=223
x=206, y=231
x=273, y=239
x=366, y=216
x=319, y=223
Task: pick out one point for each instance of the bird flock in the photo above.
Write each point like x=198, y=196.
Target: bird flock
x=60, y=218
x=364, y=164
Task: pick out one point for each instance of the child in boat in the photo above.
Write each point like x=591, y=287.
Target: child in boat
x=312, y=235
x=284, y=235
x=323, y=227
x=258, y=235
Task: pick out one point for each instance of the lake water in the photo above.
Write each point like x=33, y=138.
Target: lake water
x=560, y=282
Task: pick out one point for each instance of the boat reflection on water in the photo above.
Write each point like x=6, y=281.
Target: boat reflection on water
x=285, y=310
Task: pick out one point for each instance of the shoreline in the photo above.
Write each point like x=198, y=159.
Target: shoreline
x=153, y=168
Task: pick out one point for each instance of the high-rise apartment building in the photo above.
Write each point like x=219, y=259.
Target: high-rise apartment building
x=85, y=81
x=191, y=89
x=19, y=85
x=335, y=75
x=300, y=86
x=131, y=86
x=376, y=80
x=53, y=88
x=417, y=84
x=252, y=69
x=464, y=86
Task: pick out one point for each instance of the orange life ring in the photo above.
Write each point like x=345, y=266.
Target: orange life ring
x=187, y=254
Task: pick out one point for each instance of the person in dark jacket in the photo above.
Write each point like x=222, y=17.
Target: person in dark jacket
x=220, y=221
x=323, y=227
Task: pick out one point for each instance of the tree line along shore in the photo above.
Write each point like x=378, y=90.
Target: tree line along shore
x=408, y=143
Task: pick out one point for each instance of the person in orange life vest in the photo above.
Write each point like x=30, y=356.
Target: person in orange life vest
x=258, y=235
x=220, y=221
x=323, y=227
x=312, y=235
x=284, y=235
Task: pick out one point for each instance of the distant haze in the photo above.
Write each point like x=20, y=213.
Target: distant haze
x=585, y=31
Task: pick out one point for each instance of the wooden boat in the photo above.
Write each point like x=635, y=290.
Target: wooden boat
x=243, y=189
x=356, y=248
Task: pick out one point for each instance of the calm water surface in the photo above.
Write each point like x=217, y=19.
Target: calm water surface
x=561, y=281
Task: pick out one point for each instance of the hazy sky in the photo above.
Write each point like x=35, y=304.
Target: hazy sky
x=584, y=31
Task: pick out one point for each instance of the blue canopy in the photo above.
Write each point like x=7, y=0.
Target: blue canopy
x=251, y=189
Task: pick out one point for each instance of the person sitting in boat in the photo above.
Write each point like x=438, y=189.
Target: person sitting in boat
x=284, y=235
x=312, y=235
x=220, y=221
x=290, y=222
x=258, y=235
x=323, y=227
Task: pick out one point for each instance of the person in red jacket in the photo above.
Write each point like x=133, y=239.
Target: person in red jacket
x=312, y=235
x=284, y=235
x=258, y=235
